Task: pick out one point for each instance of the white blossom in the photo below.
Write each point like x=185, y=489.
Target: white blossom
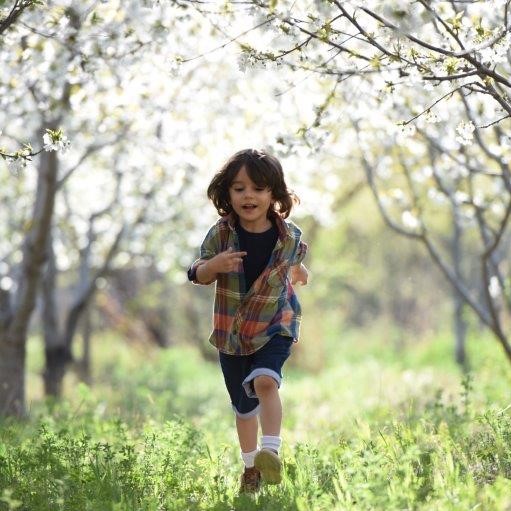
x=175, y=67
x=422, y=175
x=466, y=132
x=461, y=197
x=16, y=165
x=497, y=208
x=6, y=283
x=408, y=130
x=398, y=195
x=410, y=220
x=55, y=143
x=437, y=196
x=478, y=200
x=494, y=287
x=384, y=168
x=431, y=117
x=414, y=76
x=497, y=53
x=244, y=61
x=468, y=216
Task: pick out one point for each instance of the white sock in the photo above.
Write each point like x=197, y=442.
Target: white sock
x=248, y=458
x=271, y=442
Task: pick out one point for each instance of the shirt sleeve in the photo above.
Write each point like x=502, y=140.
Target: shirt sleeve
x=299, y=249
x=208, y=249
x=300, y=253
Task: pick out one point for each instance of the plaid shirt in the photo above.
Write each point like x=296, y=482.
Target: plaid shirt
x=244, y=322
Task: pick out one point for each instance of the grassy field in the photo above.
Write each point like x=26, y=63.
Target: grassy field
x=373, y=429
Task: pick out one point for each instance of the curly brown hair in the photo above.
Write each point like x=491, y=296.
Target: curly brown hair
x=264, y=170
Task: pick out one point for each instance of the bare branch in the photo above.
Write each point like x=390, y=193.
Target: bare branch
x=450, y=93
x=16, y=11
x=479, y=139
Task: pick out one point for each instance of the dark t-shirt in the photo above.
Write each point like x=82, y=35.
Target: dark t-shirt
x=258, y=246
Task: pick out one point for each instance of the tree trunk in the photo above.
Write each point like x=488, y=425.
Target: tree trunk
x=56, y=358
x=460, y=332
x=460, y=327
x=13, y=331
x=85, y=363
x=55, y=350
x=12, y=376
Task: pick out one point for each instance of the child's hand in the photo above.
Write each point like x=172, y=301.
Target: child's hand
x=299, y=274
x=225, y=262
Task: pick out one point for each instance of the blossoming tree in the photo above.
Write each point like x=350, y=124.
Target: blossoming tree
x=65, y=74
x=419, y=91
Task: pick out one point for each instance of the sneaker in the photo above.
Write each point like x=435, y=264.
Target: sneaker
x=250, y=480
x=270, y=466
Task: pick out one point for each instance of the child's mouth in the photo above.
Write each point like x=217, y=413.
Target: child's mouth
x=249, y=206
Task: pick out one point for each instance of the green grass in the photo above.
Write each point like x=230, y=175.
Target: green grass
x=375, y=429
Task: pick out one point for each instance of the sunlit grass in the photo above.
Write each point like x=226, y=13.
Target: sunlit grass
x=375, y=429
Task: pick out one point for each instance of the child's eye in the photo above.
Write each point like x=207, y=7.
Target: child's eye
x=238, y=189
x=260, y=189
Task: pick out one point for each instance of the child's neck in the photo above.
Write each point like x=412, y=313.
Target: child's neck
x=259, y=226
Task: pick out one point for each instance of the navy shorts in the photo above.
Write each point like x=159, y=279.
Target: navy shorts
x=240, y=370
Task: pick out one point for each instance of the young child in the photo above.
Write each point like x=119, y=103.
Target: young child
x=254, y=256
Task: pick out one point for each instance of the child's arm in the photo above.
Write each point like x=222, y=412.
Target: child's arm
x=299, y=274
x=224, y=262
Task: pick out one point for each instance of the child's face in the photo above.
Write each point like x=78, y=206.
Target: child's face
x=250, y=201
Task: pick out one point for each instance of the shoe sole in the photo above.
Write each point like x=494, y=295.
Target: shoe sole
x=270, y=467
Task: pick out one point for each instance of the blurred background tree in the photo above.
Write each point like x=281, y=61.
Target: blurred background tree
x=381, y=117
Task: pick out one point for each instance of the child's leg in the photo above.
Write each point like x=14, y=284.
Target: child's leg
x=235, y=369
x=247, y=433
x=263, y=382
x=270, y=406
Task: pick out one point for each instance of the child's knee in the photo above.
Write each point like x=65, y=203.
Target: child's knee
x=264, y=384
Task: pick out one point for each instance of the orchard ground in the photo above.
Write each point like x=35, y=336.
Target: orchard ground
x=372, y=429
